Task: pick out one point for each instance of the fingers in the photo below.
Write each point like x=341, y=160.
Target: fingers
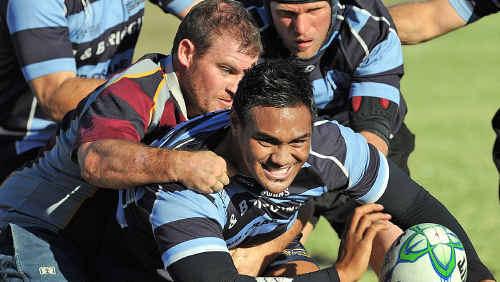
x=359, y=212
x=368, y=220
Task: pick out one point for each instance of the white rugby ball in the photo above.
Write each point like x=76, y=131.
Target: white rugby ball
x=425, y=252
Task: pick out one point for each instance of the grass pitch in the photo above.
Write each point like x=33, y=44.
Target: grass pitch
x=452, y=87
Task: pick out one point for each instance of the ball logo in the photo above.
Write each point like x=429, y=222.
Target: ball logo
x=431, y=250
x=417, y=246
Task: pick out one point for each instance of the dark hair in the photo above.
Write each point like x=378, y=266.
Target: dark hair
x=212, y=18
x=276, y=83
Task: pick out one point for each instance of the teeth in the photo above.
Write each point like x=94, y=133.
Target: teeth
x=279, y=173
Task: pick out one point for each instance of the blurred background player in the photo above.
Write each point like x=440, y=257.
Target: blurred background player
x=422, y=21
x=54, y=53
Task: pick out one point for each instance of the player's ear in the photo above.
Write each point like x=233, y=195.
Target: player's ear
x=186, y=52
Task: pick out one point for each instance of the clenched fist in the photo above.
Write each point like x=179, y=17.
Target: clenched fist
x=203, y=171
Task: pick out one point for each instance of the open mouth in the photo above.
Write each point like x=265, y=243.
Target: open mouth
x=303, y=44
x=277, y=174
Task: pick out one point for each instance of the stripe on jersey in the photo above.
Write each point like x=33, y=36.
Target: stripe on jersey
x=385, y=56
x=464, y=9
x=193, y=247
x=33, y=71
x=379, y=185
x=187, y=204
x=375, y=89
x=176, y=232
x=50, y=43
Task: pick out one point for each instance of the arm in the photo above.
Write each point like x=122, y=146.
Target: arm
x=50, y=67
x=366, y=222
x=375, y=92
x=421, y=21
x=113, y=163
x=60, y=92
x=179, y=8
x=253, y=260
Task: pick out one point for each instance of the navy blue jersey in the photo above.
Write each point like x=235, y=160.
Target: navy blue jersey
x=472, y=10
x=185, y=222
x=361, y=57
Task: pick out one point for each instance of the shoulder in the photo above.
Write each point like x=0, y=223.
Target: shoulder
x=175, y=202
x=362, y=26
x=27, y=14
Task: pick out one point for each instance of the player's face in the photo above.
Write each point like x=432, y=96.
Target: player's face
x=212, y=78
x=275, y=144
x=303, y=28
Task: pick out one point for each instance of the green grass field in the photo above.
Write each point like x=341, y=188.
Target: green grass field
x=452, y=87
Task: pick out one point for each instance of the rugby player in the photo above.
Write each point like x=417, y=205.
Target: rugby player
x=54, y=53
x=421, y=21
x=282, y=159
x=54, y=204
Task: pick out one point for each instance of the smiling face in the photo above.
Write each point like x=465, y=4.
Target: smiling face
x=274, y=144
x=303, y=28
x=209, y=81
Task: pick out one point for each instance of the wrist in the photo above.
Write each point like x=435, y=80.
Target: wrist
x=172, y=163
x=343, y=276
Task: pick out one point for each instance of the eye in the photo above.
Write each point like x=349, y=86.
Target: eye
x=298, y=143
x=285, y=14
x=226, y=69
x=264, y=143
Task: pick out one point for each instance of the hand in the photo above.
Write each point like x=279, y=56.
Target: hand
x=203, y=171
x=252, y=261
x=356, y=246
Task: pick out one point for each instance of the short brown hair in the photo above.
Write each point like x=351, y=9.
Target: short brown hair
x=211, y=18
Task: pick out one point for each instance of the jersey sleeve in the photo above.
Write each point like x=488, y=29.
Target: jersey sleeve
x=471, y=11
x=173, y=6
x=186, y=223
x=123, y=108
x=344, y=160
x=375, y=86
x=39, y=34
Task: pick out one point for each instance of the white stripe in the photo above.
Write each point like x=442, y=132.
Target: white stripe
x=273, y=279
x=54, y=206
x=361, y=41
x=29, y=122
x=334, y=159
x=383, y=19
x=320, y=122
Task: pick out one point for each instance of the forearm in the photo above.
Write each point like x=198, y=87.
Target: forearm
x=409, y=204
x=217, y=266
x=60, y=92
x=254, y=260
x=69, y=94
x=421, y=21
x=120, y=164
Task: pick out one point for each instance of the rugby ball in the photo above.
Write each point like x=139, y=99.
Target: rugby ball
x=425, y=252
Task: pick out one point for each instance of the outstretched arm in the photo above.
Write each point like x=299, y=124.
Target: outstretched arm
x=421, y=21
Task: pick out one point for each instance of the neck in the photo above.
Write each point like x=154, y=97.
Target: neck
x=227, y=149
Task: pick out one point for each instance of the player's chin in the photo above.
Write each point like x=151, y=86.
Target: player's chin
x=277, y=186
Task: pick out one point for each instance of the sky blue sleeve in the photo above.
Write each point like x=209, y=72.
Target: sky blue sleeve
x=186, y=223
